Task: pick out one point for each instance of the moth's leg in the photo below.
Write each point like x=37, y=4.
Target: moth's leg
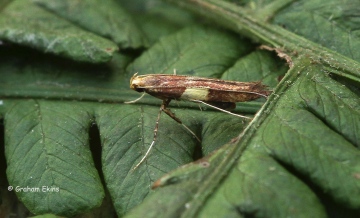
x=220, y=109
x=199, y=104
x=163, y=105
x=223, y=105
x=172, y=115
x=168, y=112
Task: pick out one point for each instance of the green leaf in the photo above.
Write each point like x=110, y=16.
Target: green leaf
x=259, y=182
x=184, y=52
x=49, y=162
x=24, y=23
x=298, y=156
x=326, y=134
x=124, y=147
x=61, y=78
x=252, y=24
x=257, y=64
x=107, y=19
x=126, y=133
x=46, y=216
x=157, y=18
x=332, y=27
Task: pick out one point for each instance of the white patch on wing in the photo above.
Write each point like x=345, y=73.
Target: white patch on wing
x=195, y=94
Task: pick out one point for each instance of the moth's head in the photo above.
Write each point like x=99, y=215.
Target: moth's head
x=135, y=82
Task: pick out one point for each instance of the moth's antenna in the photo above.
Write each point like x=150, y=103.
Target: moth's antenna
x=133, y=101
x=220, y=109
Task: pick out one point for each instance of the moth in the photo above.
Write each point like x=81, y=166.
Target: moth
x=216, y=93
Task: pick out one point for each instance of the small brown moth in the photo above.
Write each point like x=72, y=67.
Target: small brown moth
x=215, y=93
